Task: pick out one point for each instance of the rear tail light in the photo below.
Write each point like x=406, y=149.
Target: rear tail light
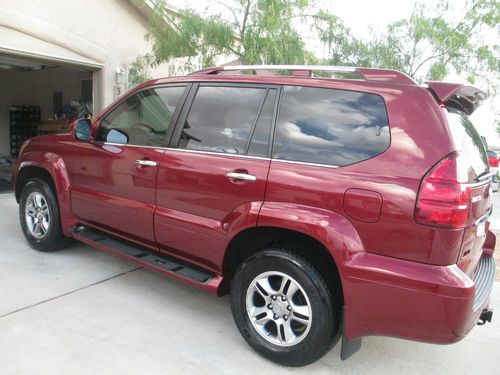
x=493, y=161
x=444, y=197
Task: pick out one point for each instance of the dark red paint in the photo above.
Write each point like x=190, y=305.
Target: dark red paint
x=398, y=278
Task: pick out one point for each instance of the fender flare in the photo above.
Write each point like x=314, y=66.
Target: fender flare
x=54, y=165
x=338, y=236
x=333, y=230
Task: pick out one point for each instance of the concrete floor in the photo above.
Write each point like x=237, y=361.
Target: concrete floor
x=81, y=311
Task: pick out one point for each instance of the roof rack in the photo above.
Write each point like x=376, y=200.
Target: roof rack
x=369, y=74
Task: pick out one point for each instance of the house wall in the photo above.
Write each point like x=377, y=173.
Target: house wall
x=108, y=32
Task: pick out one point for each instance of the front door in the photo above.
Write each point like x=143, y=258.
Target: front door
x=212, y=179
x=114, y=178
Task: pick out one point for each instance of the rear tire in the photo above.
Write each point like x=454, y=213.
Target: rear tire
x=39, y=217
x=283, y=308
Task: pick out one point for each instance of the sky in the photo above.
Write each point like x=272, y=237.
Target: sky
x=364, y=17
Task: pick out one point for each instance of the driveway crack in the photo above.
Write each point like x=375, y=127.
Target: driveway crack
x=70, y=292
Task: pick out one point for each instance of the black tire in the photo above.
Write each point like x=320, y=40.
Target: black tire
x=325, y=307
x=54, y=238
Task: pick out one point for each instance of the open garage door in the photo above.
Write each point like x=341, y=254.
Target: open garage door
x=38, y=97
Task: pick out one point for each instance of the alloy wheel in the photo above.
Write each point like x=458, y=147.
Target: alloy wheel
x=37, y=215
x=279, y=308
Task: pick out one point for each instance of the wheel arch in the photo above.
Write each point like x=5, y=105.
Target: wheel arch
x=28, y=173
x=327, y=239
x=52, y=169
x=251, y=240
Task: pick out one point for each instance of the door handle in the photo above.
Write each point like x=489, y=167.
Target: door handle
x=146, y=163
x=241, y=176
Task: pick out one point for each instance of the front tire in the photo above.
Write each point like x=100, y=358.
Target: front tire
x=284, y=308
x=39, y=217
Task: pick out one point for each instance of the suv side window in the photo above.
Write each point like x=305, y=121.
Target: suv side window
x=143, y=118
x=224, y=118
x=329, y=126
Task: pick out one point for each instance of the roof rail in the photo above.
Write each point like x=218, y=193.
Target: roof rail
x=369, y=74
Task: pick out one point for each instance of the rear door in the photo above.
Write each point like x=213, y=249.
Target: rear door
x=114, y=178
x=211, y=181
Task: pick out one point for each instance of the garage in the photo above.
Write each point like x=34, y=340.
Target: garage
x=54, y=55
x=38, y=97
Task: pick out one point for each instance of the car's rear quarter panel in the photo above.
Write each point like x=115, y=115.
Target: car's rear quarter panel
x=419, y=139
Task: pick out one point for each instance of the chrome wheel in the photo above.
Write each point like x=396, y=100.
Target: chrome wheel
x=279, y=308
x=37, y=215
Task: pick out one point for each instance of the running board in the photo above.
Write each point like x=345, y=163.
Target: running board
x=169, y=266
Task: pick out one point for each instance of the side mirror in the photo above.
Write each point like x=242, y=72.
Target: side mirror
x=117, y=136
x=83, y=130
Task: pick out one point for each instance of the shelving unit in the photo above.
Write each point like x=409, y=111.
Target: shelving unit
x=24, y=123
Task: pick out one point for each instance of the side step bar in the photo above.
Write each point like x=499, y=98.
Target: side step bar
x=169, y=266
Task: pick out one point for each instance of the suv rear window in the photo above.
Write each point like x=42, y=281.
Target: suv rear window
x=469, y=143
x=328, y=126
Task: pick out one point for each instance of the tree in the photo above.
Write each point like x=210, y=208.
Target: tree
x=259, y=31
x=427, y=47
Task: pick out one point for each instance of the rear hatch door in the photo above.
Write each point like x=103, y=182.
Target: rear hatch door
x=459, y=102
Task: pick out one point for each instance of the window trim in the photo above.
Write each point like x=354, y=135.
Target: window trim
x=173, y=122
x=176, y=136
x=254, y=125
x=275, y=123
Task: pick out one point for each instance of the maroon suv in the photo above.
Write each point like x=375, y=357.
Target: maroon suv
x=327, y=207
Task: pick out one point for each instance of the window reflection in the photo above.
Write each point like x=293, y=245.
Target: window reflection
x=144, y=117
x=221, y=119
x=466, y=139
x=327, y=126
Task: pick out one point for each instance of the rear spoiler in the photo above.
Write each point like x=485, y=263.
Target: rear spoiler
x=462, y=97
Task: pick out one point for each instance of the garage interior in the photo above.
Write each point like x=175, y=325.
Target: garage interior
x=37, y=97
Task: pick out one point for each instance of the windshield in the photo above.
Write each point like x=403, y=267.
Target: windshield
x=468, y=142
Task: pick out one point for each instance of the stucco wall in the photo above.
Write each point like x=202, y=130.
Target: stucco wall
x=108, y=30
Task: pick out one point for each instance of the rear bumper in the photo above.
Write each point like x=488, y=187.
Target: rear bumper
x=393, y=297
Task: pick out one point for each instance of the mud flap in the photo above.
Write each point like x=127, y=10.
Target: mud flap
x=348, y=347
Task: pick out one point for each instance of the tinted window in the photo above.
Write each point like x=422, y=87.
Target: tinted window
x=143, y=118
x=325, y=126
x=221, y=119
x=260, y=138
x=469, y=143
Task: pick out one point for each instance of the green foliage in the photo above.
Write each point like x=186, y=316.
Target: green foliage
x=429, y=44
x=138, y=71
x=260, y=31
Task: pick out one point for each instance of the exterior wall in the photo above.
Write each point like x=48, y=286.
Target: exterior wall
x=109, y=32
x=35, y=88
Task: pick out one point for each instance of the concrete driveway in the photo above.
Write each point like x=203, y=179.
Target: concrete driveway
x=80, y=311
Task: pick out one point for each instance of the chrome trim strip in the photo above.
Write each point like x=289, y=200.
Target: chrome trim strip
x=122, y=145
x=476, y=184
x=305, y=163
x=225, y=154
x=338, y=69
x=487, y=176
x=216, y=153
x=484, y=218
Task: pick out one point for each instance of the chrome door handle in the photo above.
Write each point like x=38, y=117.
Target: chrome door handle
x=241, y=176
x=146, y=163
